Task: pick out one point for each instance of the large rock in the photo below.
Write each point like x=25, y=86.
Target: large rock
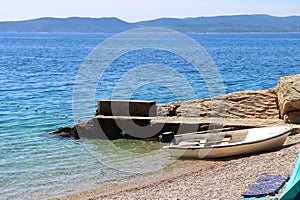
x=247, y=104
x=288, y=94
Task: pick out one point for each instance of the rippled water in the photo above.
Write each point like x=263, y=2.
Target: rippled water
x=37, y=73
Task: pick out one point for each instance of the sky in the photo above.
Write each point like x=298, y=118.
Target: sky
x=138, y=10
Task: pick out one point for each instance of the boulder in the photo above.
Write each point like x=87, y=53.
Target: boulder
x=260, y=104
x=288, y=96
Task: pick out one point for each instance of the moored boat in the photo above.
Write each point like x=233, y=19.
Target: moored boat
x=228, y=143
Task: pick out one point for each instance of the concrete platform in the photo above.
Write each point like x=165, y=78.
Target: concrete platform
x=115, y=127
x=126, y=108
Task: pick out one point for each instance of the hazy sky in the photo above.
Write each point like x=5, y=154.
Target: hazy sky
x=135, y=10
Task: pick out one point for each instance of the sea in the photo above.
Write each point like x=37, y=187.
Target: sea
x=38, y=72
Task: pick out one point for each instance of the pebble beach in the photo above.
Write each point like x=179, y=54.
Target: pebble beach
x=213, y=179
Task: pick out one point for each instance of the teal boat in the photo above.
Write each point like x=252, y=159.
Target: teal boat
x=292, y=190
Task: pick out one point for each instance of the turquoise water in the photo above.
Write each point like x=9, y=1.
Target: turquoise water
x=37, y=76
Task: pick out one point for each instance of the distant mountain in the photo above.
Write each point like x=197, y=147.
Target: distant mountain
x=220, y=24
x=225, y=24
x=65, y=25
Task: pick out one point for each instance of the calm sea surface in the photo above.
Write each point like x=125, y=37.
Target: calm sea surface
x=37, y=74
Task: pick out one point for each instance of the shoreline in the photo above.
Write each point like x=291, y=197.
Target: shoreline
x=175, y=170
x=220, y=179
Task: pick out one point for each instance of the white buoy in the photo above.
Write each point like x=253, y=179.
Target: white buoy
x=66, y=116
x=27, y=107
x=36, y=110
x=17, y=105
x=44, y=111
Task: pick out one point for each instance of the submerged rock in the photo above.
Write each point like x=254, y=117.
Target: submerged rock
x=66, y=131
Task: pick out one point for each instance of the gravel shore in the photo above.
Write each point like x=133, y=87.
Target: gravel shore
x=207, y=180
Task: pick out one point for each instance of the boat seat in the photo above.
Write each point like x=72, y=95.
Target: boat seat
x=203, y=141
x=188, y=143
x=226, y=139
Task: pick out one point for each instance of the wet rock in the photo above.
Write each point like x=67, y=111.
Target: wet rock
x=66, y=131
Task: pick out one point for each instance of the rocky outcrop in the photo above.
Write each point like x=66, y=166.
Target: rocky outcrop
x=283, y=102
x=237, y=110
x=247, y=104
x=288, y=94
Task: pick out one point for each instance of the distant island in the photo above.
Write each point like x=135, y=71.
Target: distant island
x=218, y=24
